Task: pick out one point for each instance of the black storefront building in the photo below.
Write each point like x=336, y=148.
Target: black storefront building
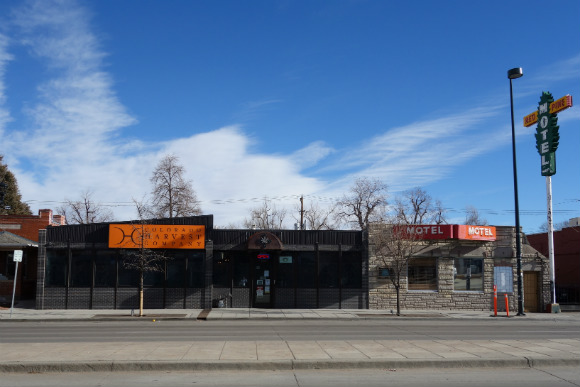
x=81, y=267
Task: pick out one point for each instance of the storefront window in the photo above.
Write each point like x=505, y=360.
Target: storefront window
x=306, y=275
x=127, y=277
x=221, y=266
x=468, y=274
x=81, y=269
x=241, y=271
x=195, y=270
x=285, y=271
x=175, y=273
x=351, y=271
x=153, y=279
x=328, y=270
x=56, y=262
x=105, y=268
x=422, y=274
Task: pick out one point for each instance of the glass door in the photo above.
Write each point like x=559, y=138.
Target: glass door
x=263, y=281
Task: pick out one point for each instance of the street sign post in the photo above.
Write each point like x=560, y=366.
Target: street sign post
x=17, y=258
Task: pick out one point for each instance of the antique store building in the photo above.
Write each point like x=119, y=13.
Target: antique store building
x=81, y=267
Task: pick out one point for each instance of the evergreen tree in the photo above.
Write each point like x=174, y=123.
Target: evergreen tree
x=10, y=199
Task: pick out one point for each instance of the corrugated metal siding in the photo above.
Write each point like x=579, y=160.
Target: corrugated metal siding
x=99, y=232
x=290, y=237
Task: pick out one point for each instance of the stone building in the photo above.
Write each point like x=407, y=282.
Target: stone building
x=454, y=270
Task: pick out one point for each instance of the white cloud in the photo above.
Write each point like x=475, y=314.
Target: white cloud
x=422, y=152
x=5, y=57
x=311, y=155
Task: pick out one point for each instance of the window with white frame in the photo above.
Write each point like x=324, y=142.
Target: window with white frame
x=422, y=274
x=468, y=274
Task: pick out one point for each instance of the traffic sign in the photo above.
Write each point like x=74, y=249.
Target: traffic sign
x=17, y=255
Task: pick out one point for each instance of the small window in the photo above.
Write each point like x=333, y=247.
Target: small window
x=384, y=272
x=468, y=274
x=422, y=274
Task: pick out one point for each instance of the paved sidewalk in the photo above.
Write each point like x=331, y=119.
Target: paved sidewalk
x=29, y=313
x=279, y=354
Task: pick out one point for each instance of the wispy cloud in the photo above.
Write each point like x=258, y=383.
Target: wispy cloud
x=5, y=57
x=421, y=152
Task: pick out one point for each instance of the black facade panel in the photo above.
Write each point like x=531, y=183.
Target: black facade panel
x=104, y=298
x=194, y=299
x=99, y=232
x=128, y=298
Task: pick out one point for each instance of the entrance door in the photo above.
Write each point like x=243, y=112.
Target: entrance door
x=531, y=303
x=263, y=281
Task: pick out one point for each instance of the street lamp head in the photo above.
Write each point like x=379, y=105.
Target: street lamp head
x=515, y=73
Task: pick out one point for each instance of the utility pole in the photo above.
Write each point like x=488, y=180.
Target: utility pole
x=301, y=212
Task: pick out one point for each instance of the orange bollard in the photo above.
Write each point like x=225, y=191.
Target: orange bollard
x=507, y=305
x=494, y=300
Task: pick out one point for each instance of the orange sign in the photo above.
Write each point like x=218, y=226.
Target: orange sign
x=531, y=119
x=156, y=236
x=557, y=106
x=476, y=233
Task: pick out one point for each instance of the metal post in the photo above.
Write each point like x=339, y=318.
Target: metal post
x=14, y=288
x=512, y=74
x=551, y=239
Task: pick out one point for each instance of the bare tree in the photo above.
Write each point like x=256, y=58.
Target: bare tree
x=172, y=195
x=365, y=203
x=85, y=210
x=472, y=216
x=557, y=226
x=416, y=207
x=266, y=217
x=142, y=259
x=315, y=217
x=394, y=246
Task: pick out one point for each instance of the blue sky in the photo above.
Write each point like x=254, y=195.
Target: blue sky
x=278, y=99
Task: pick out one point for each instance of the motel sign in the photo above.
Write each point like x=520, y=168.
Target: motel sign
x=547, y=136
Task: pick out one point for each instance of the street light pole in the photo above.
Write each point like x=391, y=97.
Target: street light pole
x=514, y=74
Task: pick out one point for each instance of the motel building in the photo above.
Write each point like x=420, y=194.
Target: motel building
x=81, y=267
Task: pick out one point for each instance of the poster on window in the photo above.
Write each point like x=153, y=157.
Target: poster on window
x=503, y=279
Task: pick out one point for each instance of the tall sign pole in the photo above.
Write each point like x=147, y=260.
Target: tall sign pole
x=547, y=139
x=17, y=258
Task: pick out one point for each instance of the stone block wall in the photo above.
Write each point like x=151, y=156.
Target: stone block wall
x=501, y=252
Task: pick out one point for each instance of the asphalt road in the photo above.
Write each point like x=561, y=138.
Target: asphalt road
x=243, y=330
x=486, y=377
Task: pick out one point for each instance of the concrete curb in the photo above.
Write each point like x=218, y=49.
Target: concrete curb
x=282, y=365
